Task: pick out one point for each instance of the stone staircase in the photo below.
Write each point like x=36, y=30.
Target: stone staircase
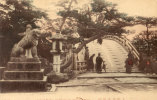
x=23, y=74
x=134, y=70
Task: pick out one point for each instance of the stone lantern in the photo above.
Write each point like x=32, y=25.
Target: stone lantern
x=57, y=50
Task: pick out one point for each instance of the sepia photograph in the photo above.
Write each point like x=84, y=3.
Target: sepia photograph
x=78, y=49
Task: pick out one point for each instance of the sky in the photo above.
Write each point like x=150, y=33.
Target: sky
x=146, y=8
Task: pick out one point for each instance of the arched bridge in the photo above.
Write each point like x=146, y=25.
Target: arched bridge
x=114, y=51
x=122, y=40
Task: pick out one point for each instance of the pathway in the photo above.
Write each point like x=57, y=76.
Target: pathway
x=110, y=82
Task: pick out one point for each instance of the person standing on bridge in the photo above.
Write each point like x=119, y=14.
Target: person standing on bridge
x=99, y=61
x=129, y=63
x=148, y=65
x=86, y=56
x=91, y=63
x=154, y=66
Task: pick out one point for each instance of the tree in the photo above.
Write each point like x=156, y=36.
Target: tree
x=148, y=36
x=102, y=18
x=146, y=44
x=108, y=18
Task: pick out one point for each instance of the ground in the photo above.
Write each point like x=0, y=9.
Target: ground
x=110, y=82
x=94, y=86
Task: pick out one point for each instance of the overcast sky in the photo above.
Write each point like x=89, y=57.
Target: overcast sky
x=131, y=7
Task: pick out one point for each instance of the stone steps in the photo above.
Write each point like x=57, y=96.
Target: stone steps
x=25, y=81
x=24, y=66
x=114, y=75
x=134, y=69
x=23, y=73
x=23, y=85
x=1, y=72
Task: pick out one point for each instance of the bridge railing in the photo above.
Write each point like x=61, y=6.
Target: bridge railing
x=81, y=65
x=131, y=47
x=126, y=43
x=74, y=60
x=67, y=63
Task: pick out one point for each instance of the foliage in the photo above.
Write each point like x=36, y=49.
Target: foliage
x=107, y=18
x=146, y=45
x=148, y=38
x=22, y=13
x=100, y=40
x=55, y=78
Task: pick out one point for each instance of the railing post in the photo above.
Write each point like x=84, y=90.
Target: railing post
x=74, y=61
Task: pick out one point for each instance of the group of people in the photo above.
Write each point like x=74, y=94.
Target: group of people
x=145, y=65
x=129, y=63
x=148, y=64
x=100, y=64
x=90, y=64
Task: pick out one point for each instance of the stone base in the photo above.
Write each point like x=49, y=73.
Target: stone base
x=24, y=59
x=23, y=75
x=24, y=66
x=1, y=72
x=23, y=85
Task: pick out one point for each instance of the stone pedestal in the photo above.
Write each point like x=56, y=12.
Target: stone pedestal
x=23, y=73
x=1, y=72
x=56, y=63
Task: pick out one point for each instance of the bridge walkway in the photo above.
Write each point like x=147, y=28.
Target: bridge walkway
x=112, y=53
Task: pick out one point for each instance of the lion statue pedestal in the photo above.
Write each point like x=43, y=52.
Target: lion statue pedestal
x=24, y=73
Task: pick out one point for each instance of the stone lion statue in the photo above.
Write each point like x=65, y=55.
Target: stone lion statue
x=28, y=44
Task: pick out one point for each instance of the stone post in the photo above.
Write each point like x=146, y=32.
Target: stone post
x=56, y=54
x=61, y=45
x=75, y=61
x=56, y=63
x=54, y=46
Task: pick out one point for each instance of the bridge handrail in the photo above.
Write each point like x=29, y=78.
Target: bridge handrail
x=125, y=42
x=132, y=47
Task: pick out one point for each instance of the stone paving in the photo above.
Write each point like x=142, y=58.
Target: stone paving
x=114, y=75
x=95, y=88
x=111, y=82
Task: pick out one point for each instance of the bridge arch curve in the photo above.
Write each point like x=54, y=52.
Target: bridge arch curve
x=79, y=62
x=118, y=61
x=123, y=41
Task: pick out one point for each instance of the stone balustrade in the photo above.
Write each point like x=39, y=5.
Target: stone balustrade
x=81, y=65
